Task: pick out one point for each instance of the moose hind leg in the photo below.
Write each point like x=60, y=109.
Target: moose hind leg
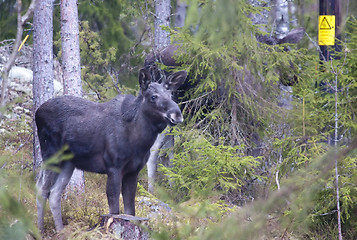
x=56, y=194
x=44, y=184
x=130, y=182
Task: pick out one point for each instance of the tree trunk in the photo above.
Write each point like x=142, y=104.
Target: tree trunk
x=162, y=18
x=180, y=16
x=282, y=18
x=21, y=20
x=72, y=84
x=42, y=63
x=162, y=39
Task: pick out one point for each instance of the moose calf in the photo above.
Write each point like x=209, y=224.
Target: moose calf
x=112, y=138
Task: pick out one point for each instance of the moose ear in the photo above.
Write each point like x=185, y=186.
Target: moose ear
x=175, y=80
x=144, y=79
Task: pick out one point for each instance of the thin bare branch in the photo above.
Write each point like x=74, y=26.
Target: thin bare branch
x=21, y=20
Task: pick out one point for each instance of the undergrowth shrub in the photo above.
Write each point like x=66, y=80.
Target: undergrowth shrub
x=17, y=198
x=200, y=168
x=86, y=207
x=287, y=213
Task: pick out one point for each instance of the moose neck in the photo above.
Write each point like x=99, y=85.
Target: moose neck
x=150, y=125
x=142, y=127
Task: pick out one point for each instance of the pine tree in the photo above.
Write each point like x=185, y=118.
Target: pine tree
x=71, y=68
x=42, y=64
x=161, y=40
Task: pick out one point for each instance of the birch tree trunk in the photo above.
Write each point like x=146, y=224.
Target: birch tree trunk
x=42, y=64
x=72, y=84
x=162, y=18
x=161, y=40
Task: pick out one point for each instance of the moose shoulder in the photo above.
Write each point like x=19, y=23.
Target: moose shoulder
x=112, y=138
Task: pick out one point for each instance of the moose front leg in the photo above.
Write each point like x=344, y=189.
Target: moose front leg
x=130, y=182
x=113, y=190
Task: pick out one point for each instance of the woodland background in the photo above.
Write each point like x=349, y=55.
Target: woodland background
x=265, y=129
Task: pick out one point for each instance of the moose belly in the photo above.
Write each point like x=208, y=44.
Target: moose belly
x=88, y=154
x=90, y=163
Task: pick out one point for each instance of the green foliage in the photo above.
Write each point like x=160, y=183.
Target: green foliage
x=8, y=18
x=16, y=188
x=105, y=18
x=236, y=84
x=15, y=222
x=58, y=157
x=88, y=206
x=219, y=24
x=200, y=168
x=287, y=213
x=313, y=128
x=96, y=63
x=110, y=44
x=106, y=37
x=99, y=68
x=231, y=110
x=235, y=77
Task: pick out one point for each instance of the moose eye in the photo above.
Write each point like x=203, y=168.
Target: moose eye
x=153, y=98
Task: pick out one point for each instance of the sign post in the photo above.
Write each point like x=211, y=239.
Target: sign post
x=329, y=22
x=327, y=31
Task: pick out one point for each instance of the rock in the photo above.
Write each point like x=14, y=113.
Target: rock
x=20, y=86
x=155, y=205
x=20, y=80
x=58, y=88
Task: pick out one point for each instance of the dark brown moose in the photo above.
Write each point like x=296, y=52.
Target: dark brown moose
x=112, y=138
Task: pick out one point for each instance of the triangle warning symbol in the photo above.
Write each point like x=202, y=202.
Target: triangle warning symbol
x=324, y=24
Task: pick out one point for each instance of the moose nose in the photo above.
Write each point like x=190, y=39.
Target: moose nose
x=174, y=116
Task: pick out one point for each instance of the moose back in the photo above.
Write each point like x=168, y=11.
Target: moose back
x=112, y=138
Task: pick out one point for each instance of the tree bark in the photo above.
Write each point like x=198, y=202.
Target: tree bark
x=21, y=20
x=42, y=63
x=162, y=18
x=72, y=84
x=162, y=39
x=282, y=18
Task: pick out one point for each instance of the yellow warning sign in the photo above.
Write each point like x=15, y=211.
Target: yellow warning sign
x=327, y=30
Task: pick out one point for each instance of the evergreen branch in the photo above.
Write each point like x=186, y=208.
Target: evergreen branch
x=195, y=99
